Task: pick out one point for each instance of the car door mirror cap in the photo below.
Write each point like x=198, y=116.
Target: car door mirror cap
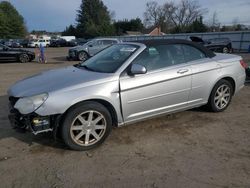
x=137, y=69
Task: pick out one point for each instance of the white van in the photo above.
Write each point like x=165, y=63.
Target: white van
x=36, y=43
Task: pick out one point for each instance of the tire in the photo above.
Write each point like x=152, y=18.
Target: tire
x=220, y=96
x=225, y=50
x=83, y=56
x=82, y=131
x=24, y=58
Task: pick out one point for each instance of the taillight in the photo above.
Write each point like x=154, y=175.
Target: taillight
x=243, y=64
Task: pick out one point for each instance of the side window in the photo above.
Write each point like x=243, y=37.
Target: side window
x=108, y=42
x=161, y=56
x=191, y=53
x=1, y=48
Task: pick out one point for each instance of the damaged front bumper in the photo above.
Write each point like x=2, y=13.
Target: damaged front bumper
x=31, y=122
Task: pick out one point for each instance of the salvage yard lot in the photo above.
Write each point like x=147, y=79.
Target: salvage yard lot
x=194, y=148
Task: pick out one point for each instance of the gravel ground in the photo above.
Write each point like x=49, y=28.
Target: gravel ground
x=194, y=148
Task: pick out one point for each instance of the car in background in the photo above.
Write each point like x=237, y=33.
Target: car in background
x=12, y=54
x=81, y=41
x=23, y=42
x=62, y=43
x=13, y=43
x=221, y=45
x=89, y=49
x=36, y=43
x=58, y=43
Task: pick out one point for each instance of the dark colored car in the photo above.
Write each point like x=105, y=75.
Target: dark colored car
x=13, y=44
x=62, y=43
x=23, y=42
x=12, y=54
x=221, y=45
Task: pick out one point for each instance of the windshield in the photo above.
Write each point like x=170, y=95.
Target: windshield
x=110, y=59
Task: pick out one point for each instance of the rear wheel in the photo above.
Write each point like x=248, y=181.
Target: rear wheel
x=82, y=56
x=225, y=50
x=221, y=96
x=24, y=58
x=86, y=126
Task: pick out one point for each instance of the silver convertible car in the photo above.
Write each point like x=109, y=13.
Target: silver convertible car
x=122, y=84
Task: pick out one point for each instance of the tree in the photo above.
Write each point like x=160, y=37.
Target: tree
x=172, y=16
x=11, y=22
x=69, y=31
x=128, y=25
x=158, y=16
x=214, y=24
x=185, y=13
x=93, y=19
x=197, y=26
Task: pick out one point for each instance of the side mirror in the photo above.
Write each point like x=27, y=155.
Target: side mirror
x=137, y=69
x=90, y=45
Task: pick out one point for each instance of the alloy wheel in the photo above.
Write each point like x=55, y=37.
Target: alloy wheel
x=222, y=96
x=88, y=128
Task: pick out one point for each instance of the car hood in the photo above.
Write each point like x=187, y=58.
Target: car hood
x=58, y=79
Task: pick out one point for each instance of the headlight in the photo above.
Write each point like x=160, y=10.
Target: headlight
x=27, y=105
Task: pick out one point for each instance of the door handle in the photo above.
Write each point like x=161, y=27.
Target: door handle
x=182, y=71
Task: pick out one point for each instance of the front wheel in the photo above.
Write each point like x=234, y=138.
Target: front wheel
x=221, y=96
x=82, y=56
x=24, y=58
x=86, y=126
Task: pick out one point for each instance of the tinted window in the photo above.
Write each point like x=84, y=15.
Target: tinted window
x=191, y=53
x=96, y=42
x=161, y=56
x=109, y=42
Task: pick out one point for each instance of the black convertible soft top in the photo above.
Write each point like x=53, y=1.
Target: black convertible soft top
x=154, y=42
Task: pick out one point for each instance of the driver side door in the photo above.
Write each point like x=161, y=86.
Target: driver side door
x=164, y=88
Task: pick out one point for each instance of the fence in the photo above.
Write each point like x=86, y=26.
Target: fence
x=240, y=39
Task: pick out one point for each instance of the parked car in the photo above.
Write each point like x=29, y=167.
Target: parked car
x=81, y=41
x=23, y=42
x=82, y=53
x=13, y=43
x=37, y=43
x=222, y=45
x=62, y=43
x=122, y=84
x=58, y=43
x=12, y=54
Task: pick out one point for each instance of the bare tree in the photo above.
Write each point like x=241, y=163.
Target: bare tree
x=151, y=15
x=186, y=12
x=214, y=23
x=157, y=15
x=171, y=15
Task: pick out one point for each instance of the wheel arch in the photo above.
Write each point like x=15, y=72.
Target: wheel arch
x=229, y=79
x=105, y=103
x=83, y=51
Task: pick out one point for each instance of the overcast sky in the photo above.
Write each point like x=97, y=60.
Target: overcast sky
x=55, y=15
